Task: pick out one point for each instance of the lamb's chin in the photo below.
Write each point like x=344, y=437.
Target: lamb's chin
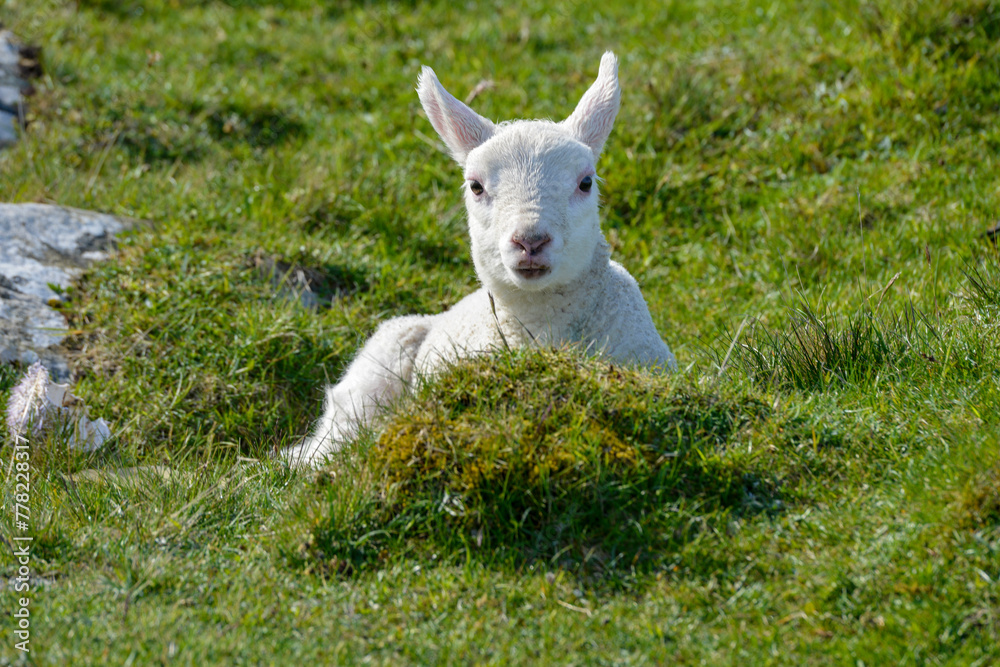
x=530, y=279
x=532, y=274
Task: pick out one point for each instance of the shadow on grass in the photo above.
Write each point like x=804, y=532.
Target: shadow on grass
x=150, y=132
x=260, y=125
x=167, y=131
x=300, y=277
x=958, y=28
x=135, y=9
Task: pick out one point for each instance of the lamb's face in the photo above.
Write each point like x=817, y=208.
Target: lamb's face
x=531, y=191
x=530, y=186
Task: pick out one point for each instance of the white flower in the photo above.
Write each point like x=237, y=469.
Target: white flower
x=36, y=403
x=27, y=402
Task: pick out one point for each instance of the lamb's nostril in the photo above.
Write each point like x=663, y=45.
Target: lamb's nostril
x=532, y=244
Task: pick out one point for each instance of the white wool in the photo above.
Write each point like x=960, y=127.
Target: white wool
x=532, y=198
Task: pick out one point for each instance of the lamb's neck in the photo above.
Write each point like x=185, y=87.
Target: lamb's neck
x=556, y=311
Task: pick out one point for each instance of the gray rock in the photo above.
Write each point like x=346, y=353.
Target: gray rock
x=8, y=131
x=10, y=96
x=42, y=250
x=17, y=64
x=10, y=54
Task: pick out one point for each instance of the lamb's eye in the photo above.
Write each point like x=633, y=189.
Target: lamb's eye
x=586, y=183
x=476, y=187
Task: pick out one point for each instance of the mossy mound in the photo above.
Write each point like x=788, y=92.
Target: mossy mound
x=548, y=454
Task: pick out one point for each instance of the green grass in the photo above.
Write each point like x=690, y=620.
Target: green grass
x=801, y=190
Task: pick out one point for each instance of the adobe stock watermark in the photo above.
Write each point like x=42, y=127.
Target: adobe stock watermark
x=21, y=465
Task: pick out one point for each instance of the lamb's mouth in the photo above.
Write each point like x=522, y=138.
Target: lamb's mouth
x=534, y=272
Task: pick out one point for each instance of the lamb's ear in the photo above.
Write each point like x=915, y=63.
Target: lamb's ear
x=594, y=116
x=461, y=128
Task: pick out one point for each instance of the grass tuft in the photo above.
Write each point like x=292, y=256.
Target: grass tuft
x=817, y=351
x=983, y=290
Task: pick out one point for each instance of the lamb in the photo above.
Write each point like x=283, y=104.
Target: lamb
x=547, y=277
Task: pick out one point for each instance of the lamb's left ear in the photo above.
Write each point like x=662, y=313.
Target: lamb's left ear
x=461, y=128
x=594, y=116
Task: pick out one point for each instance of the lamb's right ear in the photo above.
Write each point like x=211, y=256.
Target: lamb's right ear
x=461, y=128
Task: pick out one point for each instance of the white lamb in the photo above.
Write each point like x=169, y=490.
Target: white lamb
x=545, y=268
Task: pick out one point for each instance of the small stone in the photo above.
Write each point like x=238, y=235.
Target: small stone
x=10, y=55
x=8, y=131
x=10, y=97
x=18, y=64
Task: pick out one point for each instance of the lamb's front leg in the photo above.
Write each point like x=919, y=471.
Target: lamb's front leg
x=377, y=376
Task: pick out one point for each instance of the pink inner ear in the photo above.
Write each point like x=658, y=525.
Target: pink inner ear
x=467, y=132
x=461, y=128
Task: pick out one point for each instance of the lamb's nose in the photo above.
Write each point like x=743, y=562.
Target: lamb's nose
x=532, y=244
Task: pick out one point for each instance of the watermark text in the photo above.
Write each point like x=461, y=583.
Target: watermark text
x=22, y=543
